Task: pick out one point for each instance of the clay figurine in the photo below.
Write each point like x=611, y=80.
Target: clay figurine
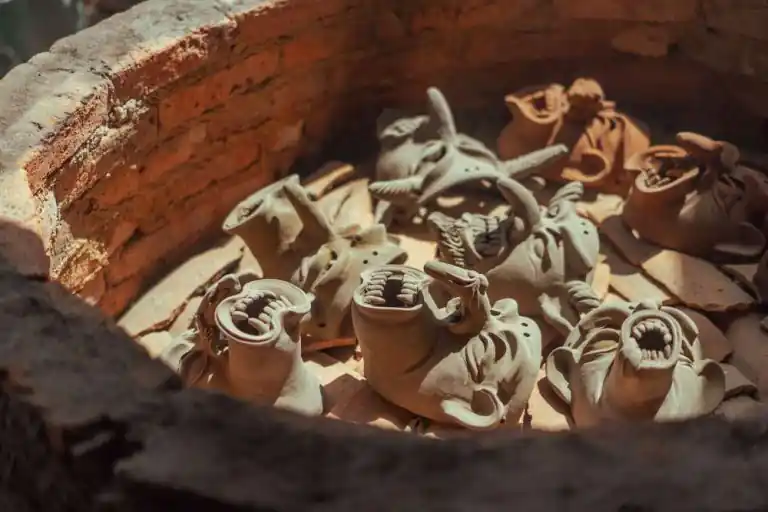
x=600, y=137
x=697, y=199
x=633, y=362
x=437, y=347
x=261, y=327
x=410, y=174
x=272, y=229
x=294, y=241
x=544, y=258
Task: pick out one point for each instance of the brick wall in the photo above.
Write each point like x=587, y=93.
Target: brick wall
x=128, y=142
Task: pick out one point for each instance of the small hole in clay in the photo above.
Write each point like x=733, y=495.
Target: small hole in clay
x=365, y=262
x=585, y=232
x=375, y=253
x=334, y=255
x=527, y=334
x=467, y=169
x=321, y=325
x=524, y=324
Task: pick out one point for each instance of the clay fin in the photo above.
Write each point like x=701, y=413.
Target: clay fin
x=403, y=190
x=485, y=412
x=442, y=111
x=309, y=213
x=520, y=197
x=523, y=166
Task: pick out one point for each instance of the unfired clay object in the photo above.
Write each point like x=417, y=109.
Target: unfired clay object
x=261, y=327
x=294, y=241
x=697, y=199
x=580, y=117
x=438, y=347
x=542, y=257
x=411, y=174
x=273, y=230
x=333, y=273
x=632, y=362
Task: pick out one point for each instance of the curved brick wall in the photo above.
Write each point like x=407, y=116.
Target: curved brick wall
x=127, y=143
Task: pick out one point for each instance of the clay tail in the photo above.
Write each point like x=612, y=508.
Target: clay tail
x=526, y=165
x=582, y=296
x=397, y=191
x=492, y=411
x=518, y=196
x=441, y=110
x=309, y=213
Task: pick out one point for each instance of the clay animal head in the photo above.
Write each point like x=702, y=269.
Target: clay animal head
x=632, y=362
x=261, y=327
x=451, y=160
x=531, y=255
x=274, y=231
x=293, y=240
x=332, y=275
x=433, y=344
x=696, y=198
x=599, y=137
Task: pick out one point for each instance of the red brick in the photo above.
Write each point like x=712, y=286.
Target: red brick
x=174, y=152
x=193, y=100
x=317, y=45
x=629, y=10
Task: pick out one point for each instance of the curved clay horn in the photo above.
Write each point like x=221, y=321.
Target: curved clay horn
x=442, y=111
x=483, y=399
x=519, y=196
x=311, y=216
x=523, y=166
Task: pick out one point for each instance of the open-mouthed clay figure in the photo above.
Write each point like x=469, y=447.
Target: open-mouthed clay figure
x=599, y=136
x=246, y=340
x=632, y=362
x=311, y=254
x=696, y=198
x=414, y=169
x=543, y=257
x=439, y=348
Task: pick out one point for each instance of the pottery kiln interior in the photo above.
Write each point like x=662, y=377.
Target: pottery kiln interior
x=127, y=144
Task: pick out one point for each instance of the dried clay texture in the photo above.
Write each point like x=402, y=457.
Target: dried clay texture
x=247, y=341
x=423, y=157
x=632, y=362
x=434, y=344
x=598, y=136
x=697, y=198
x=322, y=260
x=544, y=258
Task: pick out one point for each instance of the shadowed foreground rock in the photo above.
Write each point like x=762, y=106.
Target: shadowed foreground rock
x=90, y=420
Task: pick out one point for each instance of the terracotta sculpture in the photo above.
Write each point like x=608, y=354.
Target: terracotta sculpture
x=246, y=340
x=294, y=241
x=600, y=137
x=438, y=347
x=696, y=198
x=634, y=361
x=542, y=257
x=261, y=326
x=272, y=229
x=414, y=169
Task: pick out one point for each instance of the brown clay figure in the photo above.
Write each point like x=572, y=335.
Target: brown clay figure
x=437, y=347
x=294, y=241
x=410, y=175
x=632, y=362
x=542, y=257
x=273, y=230
x=333, y=273
x=599, y=136
x=697, y=199
x=261, y=326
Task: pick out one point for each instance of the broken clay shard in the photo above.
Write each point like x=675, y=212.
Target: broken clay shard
x=535, y=255
x=604, y=137
x=634, y=362
x=696, y=199
x=261, y=327
x=434, y=344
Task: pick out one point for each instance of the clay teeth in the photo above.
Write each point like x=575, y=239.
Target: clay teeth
x=375, y=289
x=653, y=327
